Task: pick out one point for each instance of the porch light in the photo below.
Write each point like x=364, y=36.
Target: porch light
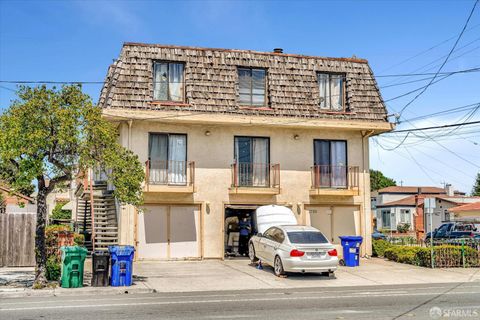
x=207, y=133
x=296, y=137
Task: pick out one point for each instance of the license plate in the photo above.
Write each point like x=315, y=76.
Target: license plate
x=316, y=255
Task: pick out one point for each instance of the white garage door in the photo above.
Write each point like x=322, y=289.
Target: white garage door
x=335, y=221
x=169, y=232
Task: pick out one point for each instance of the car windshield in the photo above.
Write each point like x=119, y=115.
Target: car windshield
x=306, y=237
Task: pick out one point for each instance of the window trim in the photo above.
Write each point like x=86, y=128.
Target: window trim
x=169, y=101
x=343, y=90
x=265, y=99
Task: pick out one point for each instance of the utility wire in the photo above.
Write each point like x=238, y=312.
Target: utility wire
x=444, y=62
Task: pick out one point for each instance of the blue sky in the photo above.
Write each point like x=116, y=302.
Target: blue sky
x=77, y=40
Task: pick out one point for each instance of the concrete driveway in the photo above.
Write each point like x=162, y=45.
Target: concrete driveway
x=238, y=274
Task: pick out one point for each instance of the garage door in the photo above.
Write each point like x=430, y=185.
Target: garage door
x=169, y=232
x=335, y=221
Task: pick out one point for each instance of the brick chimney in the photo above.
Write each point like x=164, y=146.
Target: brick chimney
x=449, y=190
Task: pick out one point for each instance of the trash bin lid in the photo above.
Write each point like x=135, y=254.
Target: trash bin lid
x=73, y=250
x=100, y=253
x=351, y=238
x=121, y=250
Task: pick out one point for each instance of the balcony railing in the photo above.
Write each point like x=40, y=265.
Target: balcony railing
x=170, y=173
x=334, y=177
x=261, y=175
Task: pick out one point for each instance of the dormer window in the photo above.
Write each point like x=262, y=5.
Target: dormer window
x=332, y=91
x=168, y=81
x=252, y=85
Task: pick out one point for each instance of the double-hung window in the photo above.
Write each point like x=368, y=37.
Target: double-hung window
x=386, y=221
x=167, y=155
x=252, y=160
x=168, y=81
x=251, y=83
x=331, y=88
x=330, y=163
x=404, y=215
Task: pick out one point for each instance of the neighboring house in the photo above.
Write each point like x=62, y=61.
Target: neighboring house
x=467, y=212
x=14, y=202
x=399, y=204
x=222, y=132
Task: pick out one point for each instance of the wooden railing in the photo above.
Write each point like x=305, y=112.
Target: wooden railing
x=170, y=173
x=263, y=175
x=338, y=177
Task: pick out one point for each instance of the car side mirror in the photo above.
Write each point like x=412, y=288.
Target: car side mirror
x=260, y=234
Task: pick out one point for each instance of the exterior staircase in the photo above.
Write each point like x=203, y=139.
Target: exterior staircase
x=101, y=231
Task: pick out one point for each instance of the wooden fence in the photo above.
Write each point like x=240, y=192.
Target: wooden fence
x=17, y=239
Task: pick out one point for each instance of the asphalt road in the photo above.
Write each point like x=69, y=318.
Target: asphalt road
x=458, y=301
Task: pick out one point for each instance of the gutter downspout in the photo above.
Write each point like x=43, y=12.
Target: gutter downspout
x=365, y=136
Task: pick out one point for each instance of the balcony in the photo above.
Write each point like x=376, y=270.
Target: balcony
x=169, y=176
x=255, y=178
x=330, y=180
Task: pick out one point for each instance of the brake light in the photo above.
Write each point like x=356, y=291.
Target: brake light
x=296, y=253
x=333, y=253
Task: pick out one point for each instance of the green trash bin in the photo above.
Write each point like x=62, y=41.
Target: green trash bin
x=73, y=259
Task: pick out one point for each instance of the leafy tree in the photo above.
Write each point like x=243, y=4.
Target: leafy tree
x=476, y=186
x=379, y=181
x=51, y=135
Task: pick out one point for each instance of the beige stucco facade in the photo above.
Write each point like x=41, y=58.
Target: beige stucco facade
x=335, y=213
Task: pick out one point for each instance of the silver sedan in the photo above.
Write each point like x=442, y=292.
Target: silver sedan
x=294, y=249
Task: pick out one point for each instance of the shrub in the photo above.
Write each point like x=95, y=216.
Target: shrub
x=379, y=247
x=79, y=239
x=54, y=268
x=403, y=227
x=59, y=213
x=402, y=254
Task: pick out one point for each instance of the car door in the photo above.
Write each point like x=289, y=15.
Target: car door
x=264, y=244
x=272, y=242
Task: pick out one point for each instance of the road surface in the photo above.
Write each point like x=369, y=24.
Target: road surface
x=458, y=301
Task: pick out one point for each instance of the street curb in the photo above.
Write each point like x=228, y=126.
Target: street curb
x=28, y=292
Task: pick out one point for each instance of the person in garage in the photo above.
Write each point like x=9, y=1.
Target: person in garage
x=245, y=228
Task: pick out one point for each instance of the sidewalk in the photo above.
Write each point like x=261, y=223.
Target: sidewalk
x=216, y=275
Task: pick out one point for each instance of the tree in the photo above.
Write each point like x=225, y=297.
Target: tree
x=379, y=181
x=476, y=186
x=49, y=136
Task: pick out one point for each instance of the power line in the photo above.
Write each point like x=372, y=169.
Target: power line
x=437, y=127
x=444, y=62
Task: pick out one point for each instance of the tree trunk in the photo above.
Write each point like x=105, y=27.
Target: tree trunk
x=40, y=249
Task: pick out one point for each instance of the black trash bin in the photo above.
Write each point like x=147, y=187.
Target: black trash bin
x=100, y=266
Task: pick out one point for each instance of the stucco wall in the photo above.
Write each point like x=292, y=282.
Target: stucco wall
x=213, y=156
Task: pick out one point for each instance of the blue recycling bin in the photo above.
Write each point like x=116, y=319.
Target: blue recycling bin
x=122, y=265
x=351, y=250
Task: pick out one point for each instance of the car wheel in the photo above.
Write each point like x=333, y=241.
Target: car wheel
x=251, y=253
x=328, y=274
x=278, y=267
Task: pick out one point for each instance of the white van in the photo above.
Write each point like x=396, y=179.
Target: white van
x=273, y=215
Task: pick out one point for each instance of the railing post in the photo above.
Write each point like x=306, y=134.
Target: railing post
x=463, y=253
x=147, y=174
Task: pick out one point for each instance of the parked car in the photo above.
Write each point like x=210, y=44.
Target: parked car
x=294, y=248
x=377, y=235
x=454, y=230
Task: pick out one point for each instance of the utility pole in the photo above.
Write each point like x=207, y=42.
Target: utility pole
x=429, y=205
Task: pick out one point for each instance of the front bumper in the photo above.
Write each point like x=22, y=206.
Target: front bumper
x=295, y=264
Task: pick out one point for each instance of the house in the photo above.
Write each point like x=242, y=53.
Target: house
x=397, y=205
x=222, y=132
x=467, y=212
x=14, y=202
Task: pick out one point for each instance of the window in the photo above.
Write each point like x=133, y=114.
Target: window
x=404, y=215
x=251, y=83
x=306, y=237
x=331, y=88
x=252, y=158
x=330, y=160
x=167, y=155
x=168, y=82
x=386, y=219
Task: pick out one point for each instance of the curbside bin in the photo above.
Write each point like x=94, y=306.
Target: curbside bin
x=122, y=265
x=73, y=259
x=100, y=268
x=351, y=250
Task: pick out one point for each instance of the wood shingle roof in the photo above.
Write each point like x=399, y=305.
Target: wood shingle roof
x=211, y=82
